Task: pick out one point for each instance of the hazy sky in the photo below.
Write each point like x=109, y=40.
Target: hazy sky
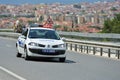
x=45, y=1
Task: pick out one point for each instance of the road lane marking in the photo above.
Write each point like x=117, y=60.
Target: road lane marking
x=11, y=73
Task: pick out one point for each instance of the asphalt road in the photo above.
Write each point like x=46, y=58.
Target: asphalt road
x=77, y=66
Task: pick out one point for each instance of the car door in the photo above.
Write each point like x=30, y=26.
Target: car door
x=21, y=41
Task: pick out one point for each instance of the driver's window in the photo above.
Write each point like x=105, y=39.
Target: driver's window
x=25, y=33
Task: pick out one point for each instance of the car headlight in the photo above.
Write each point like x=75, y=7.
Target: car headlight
x=61, y=45
x=33, y=44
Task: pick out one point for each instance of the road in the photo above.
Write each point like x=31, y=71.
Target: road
x=77, y=66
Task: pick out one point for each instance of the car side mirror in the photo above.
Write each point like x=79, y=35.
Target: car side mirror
x=23, y=37
x=63, y=38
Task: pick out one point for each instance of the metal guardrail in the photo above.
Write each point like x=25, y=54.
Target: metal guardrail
x=111, y=50
x=9, y=34
x=91, y=35
x=6, y=30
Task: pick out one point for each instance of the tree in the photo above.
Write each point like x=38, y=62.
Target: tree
x=107, y=26
x=113, y=9
x=112, y=26
x=41, y=18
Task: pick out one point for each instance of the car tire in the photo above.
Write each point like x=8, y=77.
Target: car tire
x=62, y=59
x=18, y=54
x=26, y=57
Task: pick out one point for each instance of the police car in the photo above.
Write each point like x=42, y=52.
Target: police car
x=40, y=42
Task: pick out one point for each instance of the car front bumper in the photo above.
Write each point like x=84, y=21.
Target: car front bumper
x=36, y=52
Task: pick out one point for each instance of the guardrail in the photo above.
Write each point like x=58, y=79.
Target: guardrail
x=9, y=34
x=91, y=36
x=6, y=30
x=110, y=50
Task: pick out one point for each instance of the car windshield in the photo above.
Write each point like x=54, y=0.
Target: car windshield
x=43, y=34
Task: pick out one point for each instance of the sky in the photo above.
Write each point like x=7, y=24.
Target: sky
x=45, y=1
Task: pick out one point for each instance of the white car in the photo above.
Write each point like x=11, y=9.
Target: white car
x=40, y=42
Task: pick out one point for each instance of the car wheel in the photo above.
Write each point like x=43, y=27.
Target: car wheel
x=18, y=54
x=26, y=57
x=62, y=59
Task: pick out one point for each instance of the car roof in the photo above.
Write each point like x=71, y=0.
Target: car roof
x=40, y=28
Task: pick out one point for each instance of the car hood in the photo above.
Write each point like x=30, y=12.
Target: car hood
x=47, y=41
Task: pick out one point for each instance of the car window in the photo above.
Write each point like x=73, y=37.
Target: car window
x=43, y=34
x=25, y=33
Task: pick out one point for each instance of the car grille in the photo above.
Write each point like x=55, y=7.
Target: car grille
x=55, y=46
x=39, y=51
x=41, y=45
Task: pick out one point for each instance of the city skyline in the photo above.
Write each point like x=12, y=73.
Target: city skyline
x=83, y=17
x=18, y=2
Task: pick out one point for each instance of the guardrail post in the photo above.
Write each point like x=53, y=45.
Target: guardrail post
x=87, y=49
x=75, y=47
x=118, y=54
x=81, y=48
x=109, y=52
x=101, y=51
x=71, y=46
x=94, y=50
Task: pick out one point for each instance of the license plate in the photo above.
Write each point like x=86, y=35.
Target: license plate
x=48, y=51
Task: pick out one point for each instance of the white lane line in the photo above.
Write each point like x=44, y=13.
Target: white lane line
x=13, y=74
